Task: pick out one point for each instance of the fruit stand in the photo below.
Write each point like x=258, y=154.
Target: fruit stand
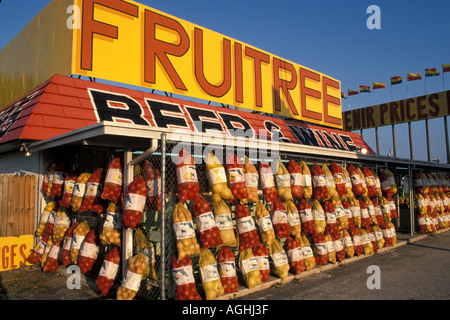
x=267, y=229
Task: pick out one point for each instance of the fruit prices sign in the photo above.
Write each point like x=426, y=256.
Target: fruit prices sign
x=412, y=109
x=126, y=42
x=14, y=251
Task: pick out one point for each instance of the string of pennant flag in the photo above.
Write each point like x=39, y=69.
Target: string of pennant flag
x=432, y=72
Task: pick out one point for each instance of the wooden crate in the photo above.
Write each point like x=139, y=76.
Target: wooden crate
x=17, y=204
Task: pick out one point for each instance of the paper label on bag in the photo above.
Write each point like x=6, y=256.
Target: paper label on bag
x=338, y=245
x=68, y=186
x=236, y=175
x=340, y=212
x=330, y=217
x=224, y=221
x=319, y=181
x=186, y=174
x=227, y=269
x=79, y=189
x=114, y=176
x=113, y=220
x=306, y=180
x=378, y=235
x=264, y=223
x=209, y=273
x=216, y=175
x=355, y=179
x=296, y=179
x=132, y=281
x=306, y=215
x=245, y=224
x=338, y=178
x=370, y=181
x=295, y=254
x=267, y=180
x=347, y=240
x=293, y=219
x=318, y=214
x=184, y=229
x=89, y=250
x=92, y=189
x=307, y=252
x=392, y=205
x=108, y=269
x=134, y=201
x=205, y=221
x=58, y=177
x=371, y=210
x=77, y=241
x=356, y=211
x=54, y=252
x=283, y=180
x=154, y=187
x=279, y=258
x=365, y=239
x=330, y=246
x=67, y=243
x=248, y=265
x=263, y=262
x=378, y=211
x=183, y=275
x=44, y=217
x=357, y=240
x=348, y=213
x=279, y=216
x=330, y=181
x=364, y=213
x=320, y=249
x=251, y=180
x=62, y=220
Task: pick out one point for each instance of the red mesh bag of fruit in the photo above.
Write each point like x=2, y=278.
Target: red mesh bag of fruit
x=134, y=202
x=370, y=182
x=348, y=213
x=48, y=229
x=339, y=180
x=295, y=255
x=58, y=180
x=236, y=178
x=296, y=179
x=357, y=183
x=378, y=213
x=38, y=250
x=92, y=197
x=267, y=182
x=67, y=244
x=206, y=224
x=88, y=251
x=320, y=249
x=365, y=218
x=319, y=183
x=188, y=187
x=306, y=217
x=184, y=279
x=338, y=247
x=280, y=220
x=356, y=238
x=227, y=269
x=113, y=181
x=330, y=215
x=69, y=183
x=393, y=207
x=108, y=271
x=248, y=235
x=52, y=261
x=153, y=179
x=261, y=254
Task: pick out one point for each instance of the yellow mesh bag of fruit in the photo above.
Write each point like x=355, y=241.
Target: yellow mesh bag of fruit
x=283, y=182
x=264, y=223
x=112, y=225
x=210, y=275
x=319, y=216
x=44, y=217
x=137, y=270
x=183, y=226
x=307, y=181
x=308, y=253
x=79, y=233
x=279, y=260
x=249, y=268
x=217, y=178
x=293, y=218
x=62, y=223
x=224, y=222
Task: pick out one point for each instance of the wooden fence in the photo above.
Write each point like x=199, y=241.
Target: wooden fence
x=17, y=204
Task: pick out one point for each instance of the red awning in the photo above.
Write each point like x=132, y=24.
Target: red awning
x=63, y=104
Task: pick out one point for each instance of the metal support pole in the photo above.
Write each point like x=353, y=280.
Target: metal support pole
x=446, y=139
x=393, y=141
x=376, y=137
x=411, y=200
x=428, y=140
x=411, y=154
x=163, y=216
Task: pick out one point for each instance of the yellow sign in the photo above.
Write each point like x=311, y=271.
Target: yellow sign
x=14, y=251
x=412, y=109
x=124, y=41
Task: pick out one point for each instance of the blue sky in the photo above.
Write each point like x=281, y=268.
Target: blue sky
x=329, y=36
